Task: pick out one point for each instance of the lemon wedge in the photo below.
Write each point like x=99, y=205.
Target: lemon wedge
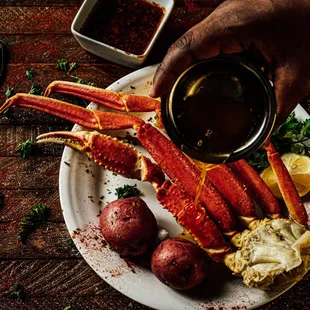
x=298, y=167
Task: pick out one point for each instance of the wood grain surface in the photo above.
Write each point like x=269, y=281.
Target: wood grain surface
x=50, y=269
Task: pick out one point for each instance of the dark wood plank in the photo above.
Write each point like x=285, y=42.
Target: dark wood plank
x=53, y=279
x=48, y=283
x=26, y=117
x=42, y=2
x=49, y=240
x=57, y=20
x=190, y=4
x=11, y=136
x=36, y=20
x=46, y=49
x=60, y=303
x=29, y=173
x=42, y=278
x=179, y=22
x=16, y=203
x=102, y=75
x=49, y=48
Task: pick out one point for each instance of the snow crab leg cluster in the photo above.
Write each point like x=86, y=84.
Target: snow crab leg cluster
x=270, y=250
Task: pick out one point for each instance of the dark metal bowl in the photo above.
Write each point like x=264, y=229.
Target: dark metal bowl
x=222, y=67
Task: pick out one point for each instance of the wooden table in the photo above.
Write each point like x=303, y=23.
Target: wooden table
x=51, y=271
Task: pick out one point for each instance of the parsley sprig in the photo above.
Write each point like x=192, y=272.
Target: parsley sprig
x=127, y=191
x=36, y=90
x=68, y=67
x=9, y=92
x=18, y=291
x=292, y=136
x=29, y=74
x=25, y=148
x=37, y=215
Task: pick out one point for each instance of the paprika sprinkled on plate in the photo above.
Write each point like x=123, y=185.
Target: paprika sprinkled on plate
x=128, y=25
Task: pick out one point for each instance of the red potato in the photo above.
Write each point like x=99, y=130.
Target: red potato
x=179, y=263
x=128, y=226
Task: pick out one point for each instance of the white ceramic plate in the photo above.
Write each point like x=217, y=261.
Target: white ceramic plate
x=82, y=185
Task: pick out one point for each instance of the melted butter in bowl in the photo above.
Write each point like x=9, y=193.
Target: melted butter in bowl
x=219, y=108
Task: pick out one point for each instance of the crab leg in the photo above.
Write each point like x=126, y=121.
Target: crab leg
x=194, y=219
x=91, y=119
x=107, y=98
x=185, y=174
x=123, y=159
x=172, y=160
x=287, y=188
x=224, y=180
x=257, y=187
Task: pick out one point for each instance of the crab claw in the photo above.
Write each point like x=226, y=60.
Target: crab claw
x=76, y=140
x=106, y=151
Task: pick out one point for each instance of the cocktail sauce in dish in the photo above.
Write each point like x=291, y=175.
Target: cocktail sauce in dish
x=220, y=110
x=128, y=25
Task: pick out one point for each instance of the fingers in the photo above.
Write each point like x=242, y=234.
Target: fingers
x=290, y=86
x=205, y=40
x=175, y=62
x=197, y=44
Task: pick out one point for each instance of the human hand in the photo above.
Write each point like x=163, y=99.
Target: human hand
x=276, y=30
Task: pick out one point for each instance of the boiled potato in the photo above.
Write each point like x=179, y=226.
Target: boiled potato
x=179, y=263
x=128, y=226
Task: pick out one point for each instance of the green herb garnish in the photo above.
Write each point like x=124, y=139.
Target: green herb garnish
x=70, y=242
x=29, y=74
x=67, y=67
x=9, y=92
x=82, y=81
x=25, y=148
x=292, y=136
x=258, y=160
x=37, y=215
x=36, y=90
x=7, y=111
x=67, y=308
x=62, y=64
x=18, y=291
x=127, y=191
x=72, y=66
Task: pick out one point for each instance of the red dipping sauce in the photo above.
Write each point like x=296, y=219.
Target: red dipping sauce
x=128, y=25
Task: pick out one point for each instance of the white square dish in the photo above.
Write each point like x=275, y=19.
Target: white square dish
x=109, y=52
